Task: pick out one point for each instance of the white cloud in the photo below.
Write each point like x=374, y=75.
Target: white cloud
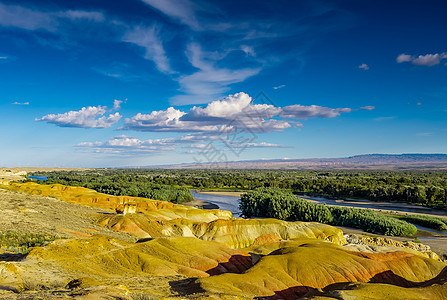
x=313, y=111
x=422, y=60
x=249, y=50
x=29, y=19
x=17, y=16
x=404, y=58
x=364, y=67
x=265, y=145
x=233, y=113
x=3, y=57
x=427, y=60
x=117, y=104
x=210, y=81
x=130, y=145
x=279, y=87
x=148, y=38
x=369, y=107
x=181, y=10
x=83, y=15
x=20, y=103
x=87, y=117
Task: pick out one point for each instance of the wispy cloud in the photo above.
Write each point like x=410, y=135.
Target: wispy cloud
x=369, y=107
x=126, y=145
x=422, y=60
x=364, y=67
x=148, y=38
x=210, y=81
x=20, y=103
x=234, y=112
x=180, y=10
x=381, y=119
x=21, y=17
x=424, y=133
x=313, y=111
x=30, y=19
x=279, y=87
x=87, y=117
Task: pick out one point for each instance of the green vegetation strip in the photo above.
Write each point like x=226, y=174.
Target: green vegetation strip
x=427, y=221
x=21, y=242
x=281, y=204
x=118, y=183
x=417, y=186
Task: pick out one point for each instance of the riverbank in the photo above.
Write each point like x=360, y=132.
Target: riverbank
x=221, y=193
x=383, y=207
x=201, y=204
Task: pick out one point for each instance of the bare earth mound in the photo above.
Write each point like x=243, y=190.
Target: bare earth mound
x=189, y=253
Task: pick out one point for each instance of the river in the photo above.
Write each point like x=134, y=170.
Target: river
x=224, y=202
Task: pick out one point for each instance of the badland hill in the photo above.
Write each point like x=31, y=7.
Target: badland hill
x=119, y=247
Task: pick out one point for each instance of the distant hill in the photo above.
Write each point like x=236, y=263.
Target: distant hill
x=366, y=161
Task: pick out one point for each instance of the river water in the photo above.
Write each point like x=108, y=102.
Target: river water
x=38, y=178
x=224, y=202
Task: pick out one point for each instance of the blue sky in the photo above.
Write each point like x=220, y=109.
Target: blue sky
x=147, y=82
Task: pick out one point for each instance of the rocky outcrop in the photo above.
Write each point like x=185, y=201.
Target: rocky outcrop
x=371, y=244
x=235, y=233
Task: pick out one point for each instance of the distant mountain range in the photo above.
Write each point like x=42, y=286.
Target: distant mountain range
x=367, y=161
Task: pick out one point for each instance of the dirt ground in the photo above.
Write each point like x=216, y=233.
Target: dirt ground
x=40, y=214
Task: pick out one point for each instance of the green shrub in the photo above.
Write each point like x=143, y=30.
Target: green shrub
x=427, y=221
x=21, y=242
x=371, y=221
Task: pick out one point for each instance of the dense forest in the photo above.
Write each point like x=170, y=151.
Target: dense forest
x=120, y=184
x=283, y=205
x=418, y=187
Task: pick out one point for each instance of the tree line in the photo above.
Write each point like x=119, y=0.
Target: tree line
x=283, y=205
x=418, y=187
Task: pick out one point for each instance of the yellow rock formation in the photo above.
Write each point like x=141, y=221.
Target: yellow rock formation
x=296, y=267
x=208, y=253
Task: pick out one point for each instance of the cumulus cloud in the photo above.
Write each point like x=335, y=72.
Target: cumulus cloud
x=233, y=113
x=404, y=58
x=364, y=67
x=422, y=60
x=20, y=103
x=149, y=39
x=117, y=104
x=87, y=117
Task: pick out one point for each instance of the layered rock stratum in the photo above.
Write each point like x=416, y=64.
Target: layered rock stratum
x=180, y=252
